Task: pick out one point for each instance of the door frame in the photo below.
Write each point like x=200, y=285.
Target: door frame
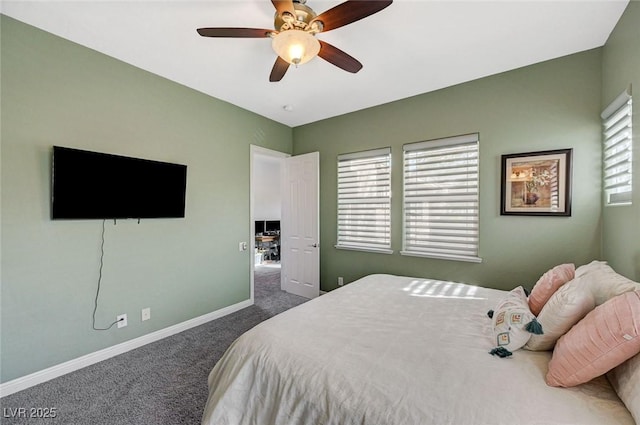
x=256, y=151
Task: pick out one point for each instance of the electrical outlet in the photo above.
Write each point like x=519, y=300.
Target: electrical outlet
x=122, y=320
x=340, y=281
x=146, y=313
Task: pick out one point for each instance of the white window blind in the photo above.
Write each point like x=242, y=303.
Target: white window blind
x=441, y=198
x=364, y=200
x=617, y=150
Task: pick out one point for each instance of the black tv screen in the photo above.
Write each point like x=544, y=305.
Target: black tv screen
x=92, y=185
x=272, y=226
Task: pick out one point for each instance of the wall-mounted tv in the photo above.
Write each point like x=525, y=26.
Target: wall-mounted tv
x=93, y=185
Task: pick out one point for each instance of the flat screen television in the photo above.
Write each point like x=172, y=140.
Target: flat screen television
x=93, y=185
x=259, y=227
x=272, y=226
x=269, y=227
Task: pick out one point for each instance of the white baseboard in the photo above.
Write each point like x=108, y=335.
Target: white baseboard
x=52, y=372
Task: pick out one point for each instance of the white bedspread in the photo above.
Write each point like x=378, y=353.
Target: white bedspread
x=394, y=350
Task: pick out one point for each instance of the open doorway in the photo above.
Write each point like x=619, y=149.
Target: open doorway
x=267, y=167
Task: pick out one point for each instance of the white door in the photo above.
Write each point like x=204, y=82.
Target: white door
x=300, y=229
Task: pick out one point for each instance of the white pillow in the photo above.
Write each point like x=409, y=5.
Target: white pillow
x=564, y=309
x=625, y=379
x=588, y=268
x=603, y=282
x=510, y=319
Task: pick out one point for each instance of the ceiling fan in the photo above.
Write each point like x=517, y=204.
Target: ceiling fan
x=296, y=25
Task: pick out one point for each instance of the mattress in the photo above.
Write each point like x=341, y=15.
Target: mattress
x=394, y=350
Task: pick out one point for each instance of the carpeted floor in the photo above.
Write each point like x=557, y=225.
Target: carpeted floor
x=161, y=383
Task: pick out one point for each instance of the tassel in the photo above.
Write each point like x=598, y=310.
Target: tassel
x=500, y=352
x=490, y=314
x=534, y=327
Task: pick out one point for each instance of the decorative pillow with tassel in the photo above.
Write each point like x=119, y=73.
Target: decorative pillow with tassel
x=513, y=323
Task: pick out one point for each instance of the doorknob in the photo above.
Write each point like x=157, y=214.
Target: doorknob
x=315, y=245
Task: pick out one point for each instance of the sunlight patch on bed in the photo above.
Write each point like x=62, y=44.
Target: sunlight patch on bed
x=441, y=289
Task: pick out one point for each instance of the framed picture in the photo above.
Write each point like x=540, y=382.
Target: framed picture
x=536, y=183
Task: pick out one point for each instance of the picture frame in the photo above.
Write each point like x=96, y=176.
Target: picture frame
x=536, y=183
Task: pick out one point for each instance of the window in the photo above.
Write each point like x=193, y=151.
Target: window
x=441, y=198
x=617, y=154
x=364, y=201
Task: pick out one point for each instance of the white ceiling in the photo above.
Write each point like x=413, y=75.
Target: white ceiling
x=409, y=48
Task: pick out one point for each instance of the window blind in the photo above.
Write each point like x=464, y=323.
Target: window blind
x=617, y=150
x=364, y=200
x=441, y=198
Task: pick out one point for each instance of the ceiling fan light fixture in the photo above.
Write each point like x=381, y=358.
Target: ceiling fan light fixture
x=296, y=46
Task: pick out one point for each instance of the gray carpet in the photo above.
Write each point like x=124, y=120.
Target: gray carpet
x=161, y=383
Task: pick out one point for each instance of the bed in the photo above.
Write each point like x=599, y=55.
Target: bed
x=395, y=350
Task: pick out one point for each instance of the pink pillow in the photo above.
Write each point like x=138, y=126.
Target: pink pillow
x=605, y=338
x=548, y=284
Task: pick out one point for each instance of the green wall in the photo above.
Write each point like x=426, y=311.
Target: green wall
x=551, y=105
x=55, y=92
x=621, y=67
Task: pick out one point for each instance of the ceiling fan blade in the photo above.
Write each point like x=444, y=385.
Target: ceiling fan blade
x=235, y=32
x=279, y=69
x=339, y=58
x=283, y=6
x=350, y=11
